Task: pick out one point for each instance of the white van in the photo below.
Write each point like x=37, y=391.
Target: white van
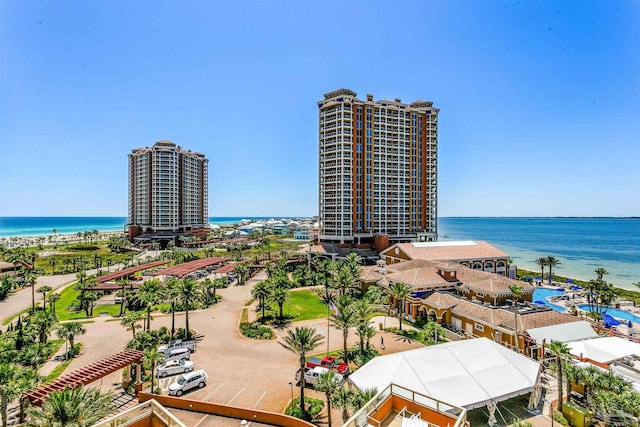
x=188, y=381
x=182, y=353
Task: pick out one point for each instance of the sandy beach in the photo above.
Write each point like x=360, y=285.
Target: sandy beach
x=52, y=239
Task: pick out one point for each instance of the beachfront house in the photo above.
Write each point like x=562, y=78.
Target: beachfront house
x=302, y=232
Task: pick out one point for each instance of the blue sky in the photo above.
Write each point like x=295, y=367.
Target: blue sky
x=540, y=101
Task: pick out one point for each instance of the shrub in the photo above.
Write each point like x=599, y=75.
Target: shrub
x=256, y=331
x=74, y=351
x=314, y=407
x=559, y=418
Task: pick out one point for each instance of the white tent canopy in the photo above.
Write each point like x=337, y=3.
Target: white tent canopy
x=563, y=332
x=604, y=349
x=469, y=373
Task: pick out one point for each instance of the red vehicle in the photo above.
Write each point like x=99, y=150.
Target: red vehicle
x=329, y=362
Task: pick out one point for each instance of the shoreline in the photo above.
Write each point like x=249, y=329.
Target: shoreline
x=51, y=239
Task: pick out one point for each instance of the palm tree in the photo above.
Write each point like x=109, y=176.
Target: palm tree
x=68, y=332
x=361, y=397
x=262, y=292
x=433, y=330
x=353, y=264
x=33, y=356
x=171, y=295
x=301, y=341
x=149, y=294
x=78, y=407
x=399, y=291
x=188, y=292
x=43, y=290
x=153, y=358
x=601, y=272
x=30, y=278
x=560, y=350
x=542, y=263
x=552, y=262
x=130, y=321
x=327, y=384
x=344, y=318
x=280, y=295
x=52, y=263
x=344, y=280
x=52, y=298
x=342, y=398
x=363, y=311
x=14, y=380
x=207, y=286
x=516, y=292
x=220, y=282
x=42, y=322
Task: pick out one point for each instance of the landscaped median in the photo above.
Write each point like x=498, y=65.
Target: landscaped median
x=302, y=304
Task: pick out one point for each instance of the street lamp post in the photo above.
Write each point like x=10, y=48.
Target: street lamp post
x=291, y=408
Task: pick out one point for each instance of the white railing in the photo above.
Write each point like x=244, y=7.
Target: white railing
x=140, y=412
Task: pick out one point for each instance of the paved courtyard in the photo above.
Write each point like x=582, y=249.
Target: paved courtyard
x=242, y=372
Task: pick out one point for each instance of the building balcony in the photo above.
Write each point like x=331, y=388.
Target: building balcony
x=394, y=404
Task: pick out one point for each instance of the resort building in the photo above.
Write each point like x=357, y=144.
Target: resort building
x=168, y=190
x=477, y=255
x=378, y=170
x=470, y=303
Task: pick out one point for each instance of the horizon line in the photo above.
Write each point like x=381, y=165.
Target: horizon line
x=310, y=216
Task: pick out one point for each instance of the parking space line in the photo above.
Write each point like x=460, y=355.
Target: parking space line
x=237, y=394
x=261, y=397
x=217, y=388
x=201, y=420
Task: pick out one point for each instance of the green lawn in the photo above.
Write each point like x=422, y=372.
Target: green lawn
x=68, y=298
x=304, y=305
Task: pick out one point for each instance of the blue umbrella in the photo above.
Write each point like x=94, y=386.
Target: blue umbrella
x=538, y=278
x=526, y=278
x=629, y=325
x=568, y=281
x=609, y=320
x=549, y=277
x=540, y=302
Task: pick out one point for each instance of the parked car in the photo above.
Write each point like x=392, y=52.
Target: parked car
x=191, y=345
x=186, y=382
x=329, y=362
x=172, y=367
x=312, y=374
x=182, y=353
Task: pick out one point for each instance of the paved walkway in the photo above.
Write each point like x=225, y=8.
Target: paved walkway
x=20, y=300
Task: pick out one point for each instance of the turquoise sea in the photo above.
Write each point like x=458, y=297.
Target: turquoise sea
x=41, y=226
x=581, y=244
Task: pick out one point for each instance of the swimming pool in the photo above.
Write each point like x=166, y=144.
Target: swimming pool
x=615, y=312
x=541, y=294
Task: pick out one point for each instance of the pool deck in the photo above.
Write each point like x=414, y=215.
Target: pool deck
x=576, y=298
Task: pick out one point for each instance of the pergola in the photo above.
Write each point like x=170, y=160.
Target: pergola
x=182, y=270
x=129, y=271
x=226, y=269
x=87, y=375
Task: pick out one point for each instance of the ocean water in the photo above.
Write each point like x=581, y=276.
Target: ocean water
x=40, y=226
x=581, y=244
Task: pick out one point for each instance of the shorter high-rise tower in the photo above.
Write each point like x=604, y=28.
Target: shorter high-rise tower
x=167, y=190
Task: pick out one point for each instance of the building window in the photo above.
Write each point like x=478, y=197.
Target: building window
x=478, y=327
x=480, y=295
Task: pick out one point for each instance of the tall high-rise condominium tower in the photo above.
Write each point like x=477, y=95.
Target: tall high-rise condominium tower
x=378, y=170
x=167, y=189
